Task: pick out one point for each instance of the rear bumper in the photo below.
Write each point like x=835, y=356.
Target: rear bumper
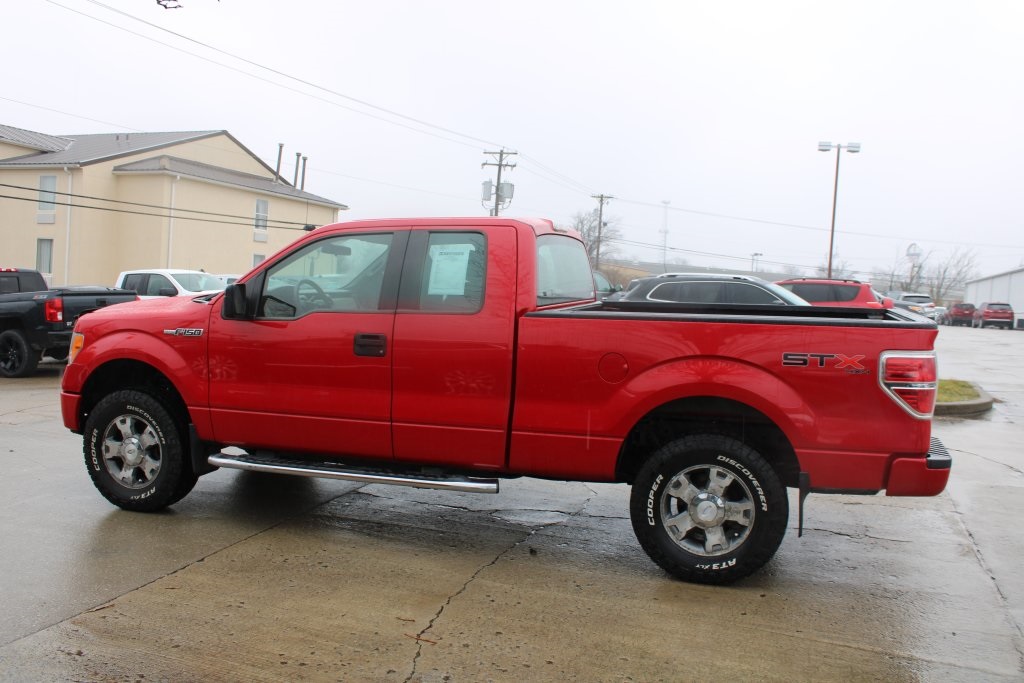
x=925, y=476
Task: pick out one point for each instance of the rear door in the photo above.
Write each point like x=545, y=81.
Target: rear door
x=453, y=347
x=312, y=372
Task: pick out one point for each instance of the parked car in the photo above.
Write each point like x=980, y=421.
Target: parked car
x=170, y=282
x=924, y=300
x=825, y=292
x=993, y=315
x=710, y=288
x=459, y=351
x=960, y=314
x=36, y=319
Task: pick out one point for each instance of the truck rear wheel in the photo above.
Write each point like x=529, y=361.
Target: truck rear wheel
x=135, y=454
x=709, y=509
x=17, y=358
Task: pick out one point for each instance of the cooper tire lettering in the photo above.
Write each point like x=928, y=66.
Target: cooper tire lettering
x=135, y=452
x=708, y=508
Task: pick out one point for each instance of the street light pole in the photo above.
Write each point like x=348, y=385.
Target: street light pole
x=753, y=261
x=852, y=148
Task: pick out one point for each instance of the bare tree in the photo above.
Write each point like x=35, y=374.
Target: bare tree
x=841, y=270
x=951, y=275
x=585, y=223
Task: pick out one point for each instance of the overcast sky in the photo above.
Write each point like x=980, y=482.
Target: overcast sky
x=715, y=107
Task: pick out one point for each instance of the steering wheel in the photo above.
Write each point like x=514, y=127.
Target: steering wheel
x=318, y=298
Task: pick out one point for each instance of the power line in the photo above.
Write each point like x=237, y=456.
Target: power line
x=248, y=223
x=148, y=206
x=297, y=79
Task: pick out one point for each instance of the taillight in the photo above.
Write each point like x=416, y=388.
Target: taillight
x=54, y=310
x=911, y=379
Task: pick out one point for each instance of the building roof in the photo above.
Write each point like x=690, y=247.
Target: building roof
x=217, y=174
x=80, y=150
x=33, y=140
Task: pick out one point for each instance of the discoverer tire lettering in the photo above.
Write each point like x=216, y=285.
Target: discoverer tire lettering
x=135, y=453
x=708, y=508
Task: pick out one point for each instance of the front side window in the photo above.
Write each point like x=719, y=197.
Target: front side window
x=344, y=273
x=159, y=285
x=563, y=270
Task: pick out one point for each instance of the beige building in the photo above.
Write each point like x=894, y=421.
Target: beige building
x=82, y=208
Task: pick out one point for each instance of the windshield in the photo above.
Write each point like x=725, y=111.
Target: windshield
x=199, y=282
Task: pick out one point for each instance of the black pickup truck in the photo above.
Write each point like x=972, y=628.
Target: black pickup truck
x=36, y=320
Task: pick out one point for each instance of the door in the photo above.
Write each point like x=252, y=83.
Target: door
x=312, y=372
x=453, y=348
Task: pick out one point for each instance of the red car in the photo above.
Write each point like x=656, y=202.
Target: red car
x=823, y=292
x=960, y=314
x=994, y=315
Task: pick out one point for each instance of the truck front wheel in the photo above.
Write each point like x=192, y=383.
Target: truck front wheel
x=135, y=454
x=709, y=509
x=17, y=358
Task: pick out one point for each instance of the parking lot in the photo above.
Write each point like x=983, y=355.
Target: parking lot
x=264, y=578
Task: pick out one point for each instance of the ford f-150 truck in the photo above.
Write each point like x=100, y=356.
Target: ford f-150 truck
x=37, y=320
x=452, y=353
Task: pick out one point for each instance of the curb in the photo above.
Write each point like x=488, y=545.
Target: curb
x=974, y=407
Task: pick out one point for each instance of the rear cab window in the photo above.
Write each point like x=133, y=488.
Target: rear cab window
x=563, y=271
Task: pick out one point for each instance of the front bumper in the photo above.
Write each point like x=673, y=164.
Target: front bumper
x=920, y=476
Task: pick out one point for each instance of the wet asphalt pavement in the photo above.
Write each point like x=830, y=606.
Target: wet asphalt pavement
x=262, y=578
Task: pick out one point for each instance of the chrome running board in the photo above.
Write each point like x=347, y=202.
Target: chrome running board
x=366, y=475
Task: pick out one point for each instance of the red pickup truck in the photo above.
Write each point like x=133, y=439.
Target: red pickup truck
x=452, y=353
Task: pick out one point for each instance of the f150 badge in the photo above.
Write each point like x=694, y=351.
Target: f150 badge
x=837, y=361
x=185, y=332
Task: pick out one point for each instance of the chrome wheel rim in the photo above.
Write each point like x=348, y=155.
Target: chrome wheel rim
x=131, y=451
x=707, y=510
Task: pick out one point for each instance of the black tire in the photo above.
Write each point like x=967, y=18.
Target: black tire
x=135, y=453
x=17, y=358
x=735, y=518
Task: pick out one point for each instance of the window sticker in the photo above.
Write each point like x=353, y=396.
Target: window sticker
x=448, y=270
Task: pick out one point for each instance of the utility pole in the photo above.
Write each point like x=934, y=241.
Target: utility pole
x=501, y=192
x=601, y=199
x=664, y=238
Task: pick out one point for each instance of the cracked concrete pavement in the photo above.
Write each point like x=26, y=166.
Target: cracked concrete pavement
x=261, y=578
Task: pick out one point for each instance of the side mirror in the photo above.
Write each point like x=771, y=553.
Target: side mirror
x=167, y=291
x=886, y=302
x=236, y=303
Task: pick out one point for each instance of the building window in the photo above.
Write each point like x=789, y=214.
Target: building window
x=44, y=256
x=47, y=199
x=259, y=233
x=258, y=259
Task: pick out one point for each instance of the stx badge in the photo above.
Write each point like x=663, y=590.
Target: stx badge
x=837, y=361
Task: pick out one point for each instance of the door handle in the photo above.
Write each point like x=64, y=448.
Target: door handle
x=370, y=344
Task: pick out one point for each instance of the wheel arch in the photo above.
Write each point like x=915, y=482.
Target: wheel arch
x=707, y=415
x=117, y=375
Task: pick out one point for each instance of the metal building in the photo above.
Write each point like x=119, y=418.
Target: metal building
x=1003, y=288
